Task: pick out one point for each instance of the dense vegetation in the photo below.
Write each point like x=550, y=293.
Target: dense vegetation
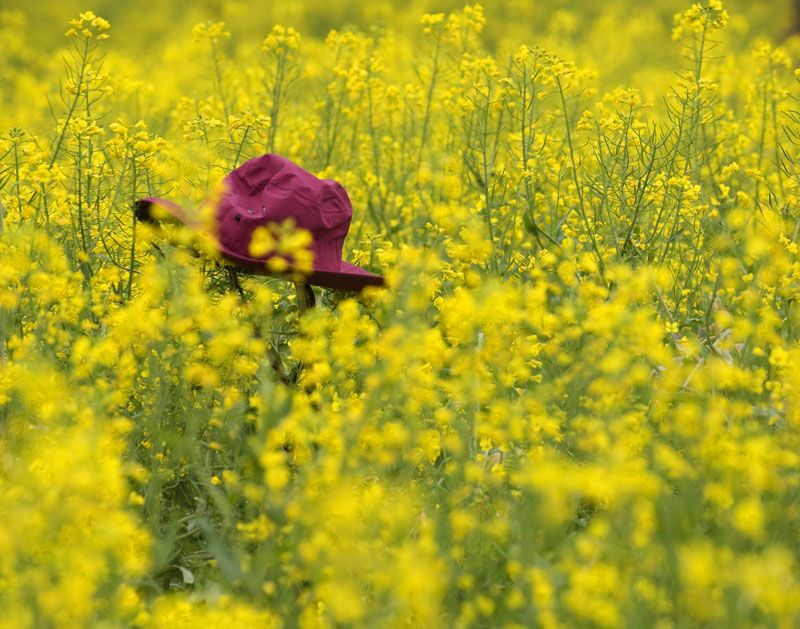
x=577, y=402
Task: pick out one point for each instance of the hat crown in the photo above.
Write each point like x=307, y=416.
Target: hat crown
x=271, y=189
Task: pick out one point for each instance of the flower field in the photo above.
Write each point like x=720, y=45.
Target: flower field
x=575, y=403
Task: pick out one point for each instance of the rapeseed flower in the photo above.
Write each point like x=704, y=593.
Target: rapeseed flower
x=575, y=403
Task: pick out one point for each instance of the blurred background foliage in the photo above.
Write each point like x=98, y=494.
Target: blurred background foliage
x=627, y=37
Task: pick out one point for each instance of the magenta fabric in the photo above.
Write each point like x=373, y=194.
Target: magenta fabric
x=271, y=189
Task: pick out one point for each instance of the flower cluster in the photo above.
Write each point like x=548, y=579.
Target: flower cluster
x=282, y=38
x=700, y=19
x=88, y=25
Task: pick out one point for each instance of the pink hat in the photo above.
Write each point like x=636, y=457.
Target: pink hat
x=268, y=190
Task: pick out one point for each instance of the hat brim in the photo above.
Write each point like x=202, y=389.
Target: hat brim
x=347, y=277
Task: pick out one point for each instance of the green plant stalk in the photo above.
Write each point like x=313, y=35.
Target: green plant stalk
x=426, y=118
x=218, y=80
x=579, y=190
x=132, y=258
x=524, y=146
x=276, y=100
x=72, y=107
x=241, y=146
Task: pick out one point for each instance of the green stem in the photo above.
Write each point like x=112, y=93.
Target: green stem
x=241, y=146
x=218, y=77
x=578, y=189
x=72, y=106
x=277, y=88
x=132, y=260
x=428, y=102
